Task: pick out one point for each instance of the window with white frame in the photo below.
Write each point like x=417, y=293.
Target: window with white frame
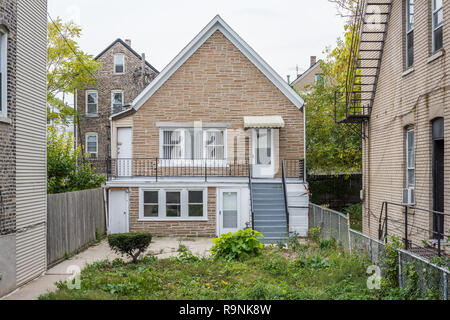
x=117, y=100
x=193, y=144
x=92, y=144
x=195, y=199
x=119, y=63
x=173, y=204
x=151, y=204
x=409, y=33
x=91, y=102
x=437, y=24
x=410, y=158
x=3, y=73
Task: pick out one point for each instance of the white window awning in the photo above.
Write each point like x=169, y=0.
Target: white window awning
x=263, y=122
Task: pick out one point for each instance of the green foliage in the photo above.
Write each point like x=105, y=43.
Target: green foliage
x=185, y=255
x=390, y=260
x=67, y=169
x=330, y=148
x=293, y=243
x=130, y=244
x=355, y=213
x=327, y=244
x=66, y=71
x=314, y=234
x=241, y=244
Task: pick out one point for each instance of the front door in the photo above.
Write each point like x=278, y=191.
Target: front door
x=263, y=155
x=124, y=152
x=118, y=211
x=229, y=213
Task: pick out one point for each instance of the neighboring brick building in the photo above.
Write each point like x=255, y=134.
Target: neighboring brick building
x=404, y=128
x=308, y=78
x=122, y=76
x=23, y=175
x=217, y=116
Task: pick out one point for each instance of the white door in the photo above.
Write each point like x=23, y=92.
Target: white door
x=263, y=155
x=229, y=210
x=124, y=152
x=118, y=211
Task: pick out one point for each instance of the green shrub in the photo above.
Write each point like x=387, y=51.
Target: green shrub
x=314, y=234
x=130, y=244
x=185, y=255
x=241, y=244
x=325, y=244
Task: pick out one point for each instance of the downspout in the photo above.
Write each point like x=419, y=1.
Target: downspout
x=75, y=125
x=304, y=144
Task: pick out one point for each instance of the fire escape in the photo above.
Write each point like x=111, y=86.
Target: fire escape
x=353, y=101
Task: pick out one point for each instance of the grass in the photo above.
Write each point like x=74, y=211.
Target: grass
x=311, y=271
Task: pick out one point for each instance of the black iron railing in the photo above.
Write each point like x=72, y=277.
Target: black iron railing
x=159, y=168
x=286, y=204
x=294, y=169
x=401, y=220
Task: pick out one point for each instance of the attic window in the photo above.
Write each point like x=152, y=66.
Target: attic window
x=119, y=64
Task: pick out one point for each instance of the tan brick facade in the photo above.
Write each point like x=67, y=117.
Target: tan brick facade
x=217, y=84
x=132, y=82
x=175, y=228
x=406, y=98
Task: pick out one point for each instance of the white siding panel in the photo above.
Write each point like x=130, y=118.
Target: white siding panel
x=298, y=202
x=31, y=139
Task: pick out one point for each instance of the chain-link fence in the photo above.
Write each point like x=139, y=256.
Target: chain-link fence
x=415, y=273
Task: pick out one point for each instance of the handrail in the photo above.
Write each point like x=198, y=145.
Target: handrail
x=283, y=178
x=251, y=195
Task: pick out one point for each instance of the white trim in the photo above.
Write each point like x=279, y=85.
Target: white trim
x=184, y=202
x=217, y=24
x=86, y=111
x=4, y=71
x=407, y=32
x=117, y=55
x=91, y=134
x=219, y=209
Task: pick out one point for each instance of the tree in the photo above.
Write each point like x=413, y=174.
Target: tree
x=330, y=148
x=68, y=68
x=67, y=169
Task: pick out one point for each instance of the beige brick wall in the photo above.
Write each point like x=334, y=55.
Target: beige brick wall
x=403, y=99
x=175, y=228
x=308, y=79
x=217, y=84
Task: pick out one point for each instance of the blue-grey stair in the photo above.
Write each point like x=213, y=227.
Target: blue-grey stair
x=269, y=212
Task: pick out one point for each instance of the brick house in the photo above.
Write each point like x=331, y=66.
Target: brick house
x=213, y=145
x=402, y=103
x=309, y=77
x=23, y=174
x=122, y=76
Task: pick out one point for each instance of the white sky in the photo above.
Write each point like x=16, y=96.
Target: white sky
x=285, y=33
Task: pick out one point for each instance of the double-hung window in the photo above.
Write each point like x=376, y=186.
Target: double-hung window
x=92, y=144
x=151, y=204
x=409, y=33
x=117, y=101
x=437, y=24
x=410, y=158
x=172, y=144
x=195, y=203
x=173, y=204
x=119, y=64
x=214, y=144
x=91, y=102
x=3, y=73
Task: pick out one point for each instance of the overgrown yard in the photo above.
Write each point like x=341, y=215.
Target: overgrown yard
x=316, y=270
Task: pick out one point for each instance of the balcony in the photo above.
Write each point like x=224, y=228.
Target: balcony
x=157, y=168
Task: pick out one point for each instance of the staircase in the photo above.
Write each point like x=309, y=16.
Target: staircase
x=269, y=212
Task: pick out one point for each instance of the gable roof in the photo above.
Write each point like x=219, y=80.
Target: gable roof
x=304, y=74
x=128, y=48
x=217, y=24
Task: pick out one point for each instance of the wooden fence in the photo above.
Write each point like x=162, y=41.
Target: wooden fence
x=74, y=220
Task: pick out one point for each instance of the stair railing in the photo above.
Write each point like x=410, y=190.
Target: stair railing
x=251, y=194
x=283, y=178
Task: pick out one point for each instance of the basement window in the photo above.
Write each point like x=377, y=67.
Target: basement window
x=437, y=25
x=3, y=73
x=195, y=203
x=151, y=204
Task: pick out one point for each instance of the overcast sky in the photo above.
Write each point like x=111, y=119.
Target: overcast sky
x=284, y=32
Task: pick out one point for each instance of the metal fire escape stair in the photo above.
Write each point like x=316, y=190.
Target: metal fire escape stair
x=353, y=102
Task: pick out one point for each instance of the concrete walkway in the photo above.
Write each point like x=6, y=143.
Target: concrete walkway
x=160, y=247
